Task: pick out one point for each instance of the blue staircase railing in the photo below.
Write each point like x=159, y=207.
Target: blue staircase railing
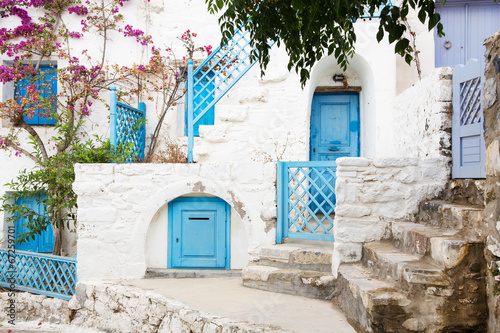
x=306, y=200
x=214, y=77
x=42, y=274
x=127, y=127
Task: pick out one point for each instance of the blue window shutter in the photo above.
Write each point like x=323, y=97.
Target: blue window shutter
x=20, y=90
x=468, y=147
x=208, y=91
x=44, y=242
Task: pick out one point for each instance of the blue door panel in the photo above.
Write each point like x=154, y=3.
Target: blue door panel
x=466, y=26
x=334, y=134
x=198, y=233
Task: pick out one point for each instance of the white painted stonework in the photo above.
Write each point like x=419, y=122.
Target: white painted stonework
x=123, y=212
x=371, y=193
x=123, y=209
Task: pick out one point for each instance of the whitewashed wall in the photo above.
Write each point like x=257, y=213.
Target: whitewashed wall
x=423, y=115
x=373, y=192
x=122, y=215
x=260, y=117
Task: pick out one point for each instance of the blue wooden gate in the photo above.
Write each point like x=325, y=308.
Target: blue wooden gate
x=199, y=233
x=466, y=25
x=468, y=147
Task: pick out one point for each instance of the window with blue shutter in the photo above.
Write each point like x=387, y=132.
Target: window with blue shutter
x=43, y=242
x=204, y=99
x=46, y=86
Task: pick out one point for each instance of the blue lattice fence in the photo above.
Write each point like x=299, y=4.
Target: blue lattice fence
x=306, y=200
x=128, y=127
x=215, y=77
x=38, y=273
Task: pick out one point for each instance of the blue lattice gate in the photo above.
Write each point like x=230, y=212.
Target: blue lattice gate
x=468, y=148
x=127, y=128
x=306, y=200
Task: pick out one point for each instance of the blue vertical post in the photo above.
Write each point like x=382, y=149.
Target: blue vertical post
x=112, y=117
x=190, y=111
x=280, y=182
x=142, y=144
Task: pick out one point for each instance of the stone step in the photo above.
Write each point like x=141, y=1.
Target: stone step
x=405, y=270
x=311, y=284
x=302, y=257
x=451, y=216
x=375, y=305
x=165, y=273
x=445, y=248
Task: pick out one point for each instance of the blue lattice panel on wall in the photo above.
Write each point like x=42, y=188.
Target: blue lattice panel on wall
x=130, y=130
x=37, y=273
x=306, y=198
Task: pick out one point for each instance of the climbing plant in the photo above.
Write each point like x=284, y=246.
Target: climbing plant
x=42, y=56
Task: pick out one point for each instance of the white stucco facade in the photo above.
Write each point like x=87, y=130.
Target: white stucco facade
x=123, y=209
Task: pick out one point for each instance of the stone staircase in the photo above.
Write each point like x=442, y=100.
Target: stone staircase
x=428, y=277
x=298, y=268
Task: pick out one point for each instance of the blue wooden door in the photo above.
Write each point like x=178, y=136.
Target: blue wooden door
x=199, y=233
x=42, y=243
x=334, y=133
x=334, y=126
x=466, y=25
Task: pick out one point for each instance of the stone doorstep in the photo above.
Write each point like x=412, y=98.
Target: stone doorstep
x=165, y=273
x=442, y=245
x=302, y=257
x=291, y=281
x=389, y=262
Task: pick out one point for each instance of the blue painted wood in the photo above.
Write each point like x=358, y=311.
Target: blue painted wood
x=199, y=233
x=48, y=76
x=334, y=128
x=128, y=127
x=190, y=121
x=307, y=200
x=48, y=275
x=282, y=204
x=42, y=243
x=203, y=95
x=466, y=25
x=468, y=146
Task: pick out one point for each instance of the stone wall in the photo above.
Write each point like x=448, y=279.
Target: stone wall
x=372, y=192
x=491, y=106
x=123, y=212
x=122, y=309
x=423, y=114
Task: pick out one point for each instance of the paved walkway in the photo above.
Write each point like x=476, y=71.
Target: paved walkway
x=226, y=297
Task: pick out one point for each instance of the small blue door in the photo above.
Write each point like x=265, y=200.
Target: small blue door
x=334, y=126
x=334, y=134
x=44, y=242
x=199, y=233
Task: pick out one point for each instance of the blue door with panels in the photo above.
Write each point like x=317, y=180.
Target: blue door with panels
x=334, y=132
x=466, y=25
x=199, y=233
x=43, y=242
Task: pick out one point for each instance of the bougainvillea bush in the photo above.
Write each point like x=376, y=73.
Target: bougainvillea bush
x=60, y=84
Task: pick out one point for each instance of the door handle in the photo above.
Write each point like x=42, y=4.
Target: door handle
x=177, y=240
x=334, y=149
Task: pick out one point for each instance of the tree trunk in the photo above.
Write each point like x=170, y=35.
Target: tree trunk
x=57, y=240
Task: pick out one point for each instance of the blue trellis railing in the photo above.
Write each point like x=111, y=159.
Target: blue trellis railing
x=38, y=273
x=214, y=77
x=306, y=200
x=128, y=127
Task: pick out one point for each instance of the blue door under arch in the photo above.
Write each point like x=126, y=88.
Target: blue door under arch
x=334, y=133
x=199, y=233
